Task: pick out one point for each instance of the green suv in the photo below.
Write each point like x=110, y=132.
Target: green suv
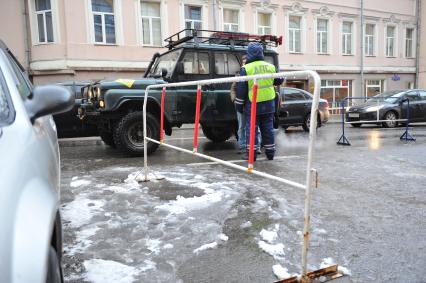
x=115, y=107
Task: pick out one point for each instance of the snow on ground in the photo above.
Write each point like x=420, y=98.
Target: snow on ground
x=281, y=272
x=105, y=271
x=182, y=205
x=80, y=211
x=270, y=236
x=77, y=183
x=276, y=250
x=205, y=247
x=329, y=261
x=223, y=237
x=82, y=240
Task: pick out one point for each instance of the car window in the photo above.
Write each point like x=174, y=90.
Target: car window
x=196, y=63
x=292, y=94
x=422, y=95
x=269, y=59
x=226, y=64
x=21, y=80
x=6, y=109
x=413, y=96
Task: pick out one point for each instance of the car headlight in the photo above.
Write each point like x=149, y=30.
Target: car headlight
x=373, y=108
x=97, y=92
x=90, y=92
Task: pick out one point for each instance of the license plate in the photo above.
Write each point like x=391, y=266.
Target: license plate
x=353, y=115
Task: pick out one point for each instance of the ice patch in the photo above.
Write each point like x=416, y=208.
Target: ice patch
x=223, y=237
x=270, y=236
x=105, y=271
x=205, y=247
x=281, y=272
x=273, y=250
x=78, y=183
x=81, y=210
x=182, y=205
x=246, y=224
x=168, y=246
x=320, y=231
x=153, y=245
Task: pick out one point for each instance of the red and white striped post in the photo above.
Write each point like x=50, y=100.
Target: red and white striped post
x=197, y=118
x=163, y=94
x=252, y=127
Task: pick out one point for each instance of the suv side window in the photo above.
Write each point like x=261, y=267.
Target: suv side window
x=196, y=63
x=422, y=95
x=292, y=95
x=226, y=64
x=6, y=110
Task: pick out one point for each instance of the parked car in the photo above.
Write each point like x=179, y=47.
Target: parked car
x=68, y=124
x=390, y=106
x=116, y=106
x=30, y=223
x=296, y=108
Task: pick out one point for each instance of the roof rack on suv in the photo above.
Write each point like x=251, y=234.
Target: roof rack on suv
x=221, y=37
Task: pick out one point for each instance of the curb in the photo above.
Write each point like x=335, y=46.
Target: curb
x=68, y=142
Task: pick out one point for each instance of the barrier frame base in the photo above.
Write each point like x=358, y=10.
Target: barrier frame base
x=407, y=137
x=343, y=141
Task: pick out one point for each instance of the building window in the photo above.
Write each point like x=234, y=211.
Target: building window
x=369, y=39
x=335, y=91
x=373, y=87
x=347, y=38
x=103, y=21
x=390, y=41
x=294, y=34
x=322, y=36
x=151, y=23
x=230, y=20
x=263, y=23
x=193, y=17
x=43, y=11
x=409, y=43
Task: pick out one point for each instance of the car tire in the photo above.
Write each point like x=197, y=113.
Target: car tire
x=53, y=269
x=307, y=121
x=390, y=115
x=217, y=134
x=128, y=133
x=107, y=138
x=356, y=125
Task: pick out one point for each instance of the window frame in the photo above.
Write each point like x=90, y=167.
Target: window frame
x=34, y=27
x=263, y=27
x=293, y=30
x=102, y=14
x=43, y=13
x=185, y=20
x=237, y=58
x=374, y=39
x=394, y=41
x=150, y=19
x=231, y=24
x=413, y=42
x=343, y=38
x=327, y=36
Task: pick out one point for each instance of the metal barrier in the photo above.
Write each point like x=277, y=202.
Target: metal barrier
x=343, y=140
x=311, y=173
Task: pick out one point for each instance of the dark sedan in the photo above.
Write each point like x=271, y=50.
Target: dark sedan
x=296, y=108
x=68, y=124
x=389, y=108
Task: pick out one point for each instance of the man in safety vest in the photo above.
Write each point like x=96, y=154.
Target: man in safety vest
x=256, y=65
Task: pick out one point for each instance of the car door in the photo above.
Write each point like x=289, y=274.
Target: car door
x=422, y=104
x=294, y=105
x=194, y=65
x=415, y=106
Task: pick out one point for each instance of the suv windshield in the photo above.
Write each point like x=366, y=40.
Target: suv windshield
x=167, y=61
x=387, y=96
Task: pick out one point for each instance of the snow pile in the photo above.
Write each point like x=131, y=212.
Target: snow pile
x=223, y=237
x=182, y=205
x=77, y=183
x=329, y=261
x=205, y=247
x=105, y=271
x=270, y=236
x=282, y=272
x=81, y=210
x=276, y=251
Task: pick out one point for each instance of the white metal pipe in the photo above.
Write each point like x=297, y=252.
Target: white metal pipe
x=312, y=137
x=232, y=165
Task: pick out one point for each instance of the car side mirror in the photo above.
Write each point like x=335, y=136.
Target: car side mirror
x=49, y=99
x=163, y=72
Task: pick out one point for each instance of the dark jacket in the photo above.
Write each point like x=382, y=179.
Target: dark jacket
x=242, y=102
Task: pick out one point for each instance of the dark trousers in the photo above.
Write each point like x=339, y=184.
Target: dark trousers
x=265, y=122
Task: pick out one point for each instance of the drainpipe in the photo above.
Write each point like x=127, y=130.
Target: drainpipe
x=418, y=34
x=214, y=15
x=27, y=37
x=362, y=49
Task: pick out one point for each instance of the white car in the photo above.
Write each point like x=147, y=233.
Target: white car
x=30, y=223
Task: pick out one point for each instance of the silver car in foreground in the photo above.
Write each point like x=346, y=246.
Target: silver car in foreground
x=30, y=224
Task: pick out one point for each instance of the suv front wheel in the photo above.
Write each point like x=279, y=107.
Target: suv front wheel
x=128, y=133
x=217, y=134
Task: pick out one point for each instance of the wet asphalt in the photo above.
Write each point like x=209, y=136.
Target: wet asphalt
x=368, y=213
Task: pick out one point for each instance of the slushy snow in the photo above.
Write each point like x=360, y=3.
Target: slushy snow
x=106, y=271
x=205, y=247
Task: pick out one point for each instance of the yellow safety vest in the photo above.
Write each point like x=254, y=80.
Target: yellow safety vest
x=265, y=91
